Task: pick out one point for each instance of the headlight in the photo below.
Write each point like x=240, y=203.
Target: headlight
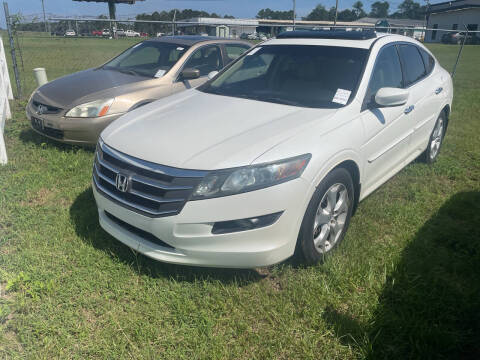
x=249, y=178
x=95, y=108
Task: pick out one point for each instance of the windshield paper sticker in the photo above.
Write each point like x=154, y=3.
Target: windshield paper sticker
x=180, y=48
x=160, y=73
x=254, y=51
x=341, y=96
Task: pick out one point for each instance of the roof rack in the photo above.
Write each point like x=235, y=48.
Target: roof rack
x=363, y=34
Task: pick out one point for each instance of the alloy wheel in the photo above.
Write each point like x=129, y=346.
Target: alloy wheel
x=437, y=137
x=330, y=218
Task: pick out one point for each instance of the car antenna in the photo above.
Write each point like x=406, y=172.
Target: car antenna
x=460, y=51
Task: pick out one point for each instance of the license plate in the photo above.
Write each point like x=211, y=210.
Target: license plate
x=38, y=123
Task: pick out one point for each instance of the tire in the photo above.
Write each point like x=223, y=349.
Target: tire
x=430, y=155
x=316, y=238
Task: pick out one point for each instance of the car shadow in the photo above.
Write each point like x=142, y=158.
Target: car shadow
x=429, y=307
x=29, y=136
x=84, y=216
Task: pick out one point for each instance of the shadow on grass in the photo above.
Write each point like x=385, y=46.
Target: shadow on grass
x=84, y=215
x=430, y=305
x=32, y=137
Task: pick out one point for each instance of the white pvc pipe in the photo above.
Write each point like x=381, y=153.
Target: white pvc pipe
x=40, y=76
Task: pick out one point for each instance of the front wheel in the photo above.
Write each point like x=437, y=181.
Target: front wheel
x=327, y=217
x=435, y=142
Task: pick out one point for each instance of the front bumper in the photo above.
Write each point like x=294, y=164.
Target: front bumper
x=75, y=131
x=189, y=234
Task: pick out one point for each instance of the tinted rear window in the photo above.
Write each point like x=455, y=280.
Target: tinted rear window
x=428, y=60
x=413, y=63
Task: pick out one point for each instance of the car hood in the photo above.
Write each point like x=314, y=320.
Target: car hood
x=83, y=86
x=196, y=130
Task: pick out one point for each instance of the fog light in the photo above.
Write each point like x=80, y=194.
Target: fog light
x=224, y=227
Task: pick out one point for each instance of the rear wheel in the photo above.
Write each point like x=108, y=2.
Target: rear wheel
x=327, y=217
x=435, y=142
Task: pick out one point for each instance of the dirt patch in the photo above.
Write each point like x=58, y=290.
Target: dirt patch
x=12, y=341
x=42, y=197
x=270, y=278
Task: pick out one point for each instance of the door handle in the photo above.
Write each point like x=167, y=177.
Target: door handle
x=409, y=109
x=439, y=90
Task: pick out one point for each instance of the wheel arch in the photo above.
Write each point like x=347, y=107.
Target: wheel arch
x=446, y=111
x=350, y=161
x=352, y=167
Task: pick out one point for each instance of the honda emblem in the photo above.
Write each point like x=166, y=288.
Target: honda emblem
x=121, y=182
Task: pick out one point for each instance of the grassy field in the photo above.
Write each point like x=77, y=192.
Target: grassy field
x=404, y=284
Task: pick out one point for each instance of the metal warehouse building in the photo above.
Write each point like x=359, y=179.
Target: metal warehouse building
x=452, y=15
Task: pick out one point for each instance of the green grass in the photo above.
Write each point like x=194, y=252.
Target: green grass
x=404, y=284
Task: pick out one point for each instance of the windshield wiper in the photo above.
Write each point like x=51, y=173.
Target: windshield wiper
x=128, y=71
x=279, y=100
x=124, y=71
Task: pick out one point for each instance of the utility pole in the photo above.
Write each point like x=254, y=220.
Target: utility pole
x=294, y=14
x=336, y=13
x=12, y=50
x=44, y=17
x=426, y=19
x=173, y=22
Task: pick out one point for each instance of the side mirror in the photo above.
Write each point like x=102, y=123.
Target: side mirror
x=388, y=96
x=212, y=74
x=190, y=73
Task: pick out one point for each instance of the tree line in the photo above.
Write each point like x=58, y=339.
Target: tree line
x=408, y=9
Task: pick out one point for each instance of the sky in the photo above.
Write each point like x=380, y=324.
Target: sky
x=237, y=8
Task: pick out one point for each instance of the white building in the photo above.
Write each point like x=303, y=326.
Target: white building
x=407, y=27
x=452, y=15
x=229, y=28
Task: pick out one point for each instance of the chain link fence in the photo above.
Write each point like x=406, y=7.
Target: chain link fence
x=61, y=53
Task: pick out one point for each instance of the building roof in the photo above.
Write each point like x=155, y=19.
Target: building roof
x=453, y=5
x=265, y=22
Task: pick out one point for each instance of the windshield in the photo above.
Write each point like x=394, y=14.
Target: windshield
x=149, y=58
x=299, y=75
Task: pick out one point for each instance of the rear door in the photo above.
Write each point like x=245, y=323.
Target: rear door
x=387, y=130
x=422, y=89
x=430, y=98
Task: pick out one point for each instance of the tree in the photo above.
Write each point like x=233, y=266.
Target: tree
x=410, y=9
x=358, y=10
x=379, y=9
x=275, y=15
x=318, y=13
x=346, y=15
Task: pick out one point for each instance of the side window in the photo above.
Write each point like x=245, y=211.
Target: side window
x=234, y=51
x=428, y=60
x=386, y=73
x=412, y=62
x=205, y=59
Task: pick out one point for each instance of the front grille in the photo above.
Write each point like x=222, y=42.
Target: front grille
x=45, y=109
x=37, y=124
x=139, y=232
x=150, y=189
